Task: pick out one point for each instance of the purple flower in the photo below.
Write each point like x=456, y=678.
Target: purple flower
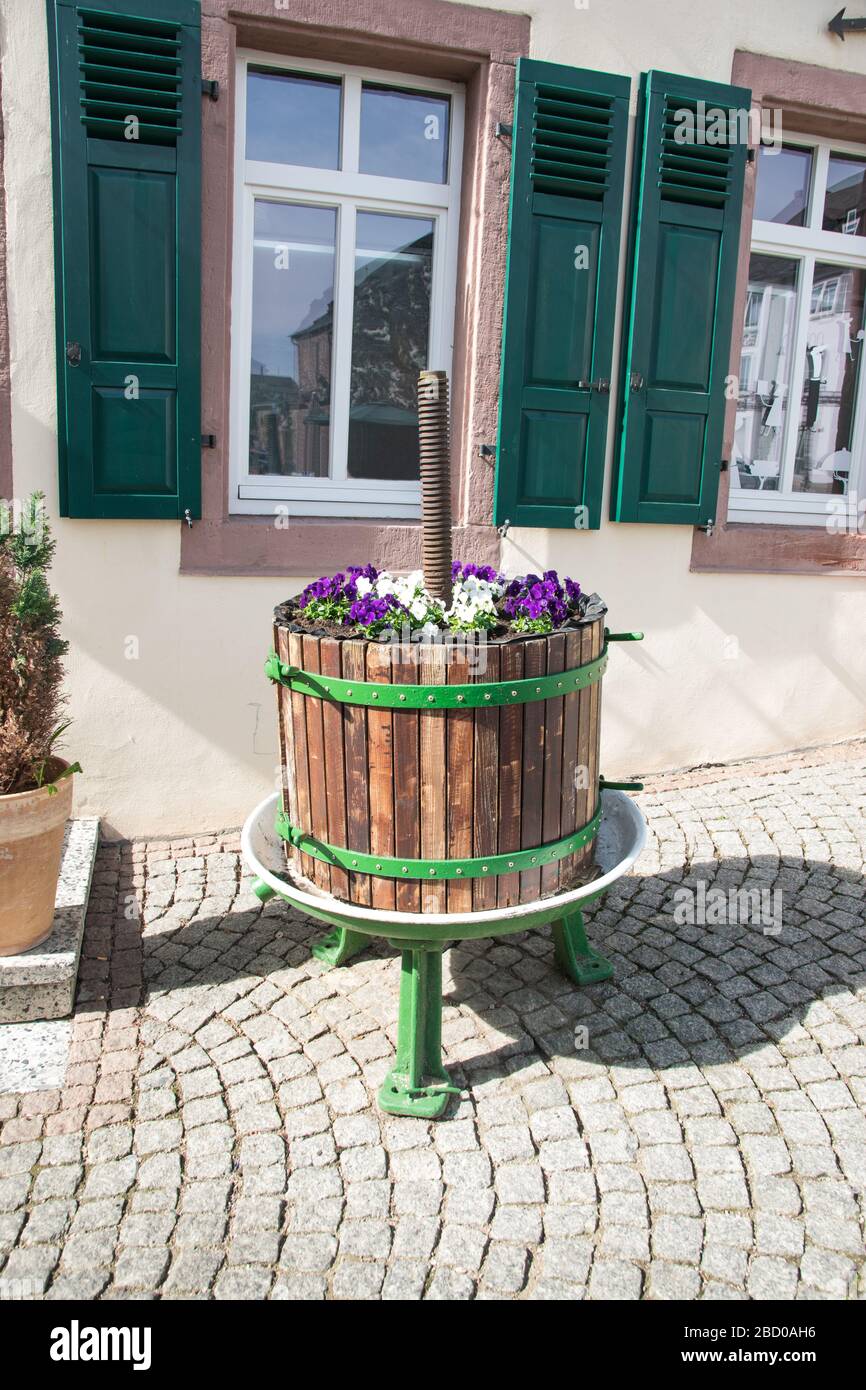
x=368, y=610
x=542, y=600
x=339, y=589
x=486, y=572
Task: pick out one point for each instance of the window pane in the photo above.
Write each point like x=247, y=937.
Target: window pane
x=782, y=192
x=404, y=135
x=845, y=201
x=765, y=373
x=833, y=347
x=293, y=318
x=390, y=332
x=293, y=119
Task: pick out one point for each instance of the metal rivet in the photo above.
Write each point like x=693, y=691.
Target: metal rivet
x=533, y=858
x=354, y=863
x=430, y=699
x=404, y=869
x=558, y=684
x=511, y=863
x=378, y=866
x=375, y=695
x=514, y=692
x=348, y=692
x=458, y=871
x=431, y=871
x=402, y=697
x=487, y=694
x=484, y=868
x=538, y=690
x=460, y=699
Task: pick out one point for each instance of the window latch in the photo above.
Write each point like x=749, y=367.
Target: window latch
x=636, y=381
x=602, y=386
x=73, y=354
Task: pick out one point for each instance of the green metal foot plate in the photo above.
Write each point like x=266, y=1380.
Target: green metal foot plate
x=573, y=954
x=339, y=946
x=426, y=1102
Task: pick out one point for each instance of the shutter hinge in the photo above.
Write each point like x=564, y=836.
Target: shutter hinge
x=750, y=156
x=502, y=130
x=486, y=451
x=187, y=516
x=709, y=527
x=210, y=88
x=504, y=528
x=208, y=441
x=723, y=466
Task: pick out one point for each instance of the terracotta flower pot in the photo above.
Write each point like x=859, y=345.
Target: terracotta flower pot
x=31, y=842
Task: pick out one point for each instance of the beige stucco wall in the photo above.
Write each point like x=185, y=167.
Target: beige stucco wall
x=181, y=736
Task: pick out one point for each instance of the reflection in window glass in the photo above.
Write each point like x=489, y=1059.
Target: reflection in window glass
x=829, y=378
x=782, y=191
x=293, y=320
x=765, y=372
x=293, y=119
x=390, y=331
x=404, y=135
x=845, y=200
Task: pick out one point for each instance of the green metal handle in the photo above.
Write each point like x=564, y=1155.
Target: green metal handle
x=484, y=694
x=622, y=636
x=382, y=866
x=606, y=786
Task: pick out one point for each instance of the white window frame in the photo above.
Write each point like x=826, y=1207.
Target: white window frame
x=348, y=191
x=807, y=245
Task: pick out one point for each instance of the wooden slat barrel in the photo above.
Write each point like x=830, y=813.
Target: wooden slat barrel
x=440, y=785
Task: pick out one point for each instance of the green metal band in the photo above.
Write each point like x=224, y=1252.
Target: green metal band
x=380, y=866
x=482, y=695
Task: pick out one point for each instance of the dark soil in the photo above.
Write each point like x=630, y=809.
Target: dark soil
x=27, y=781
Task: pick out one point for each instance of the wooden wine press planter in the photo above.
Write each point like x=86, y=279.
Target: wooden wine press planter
x=442, y=782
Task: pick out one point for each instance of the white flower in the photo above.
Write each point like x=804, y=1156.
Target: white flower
x=385, y=584
x=363, y=586
x=418, y=608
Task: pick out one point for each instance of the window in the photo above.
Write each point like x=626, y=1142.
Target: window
x=800, y=434
x=346, y=220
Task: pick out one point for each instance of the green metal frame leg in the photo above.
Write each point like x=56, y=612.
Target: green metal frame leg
x=340, y=945
x=573, y=954
x=418, y=1084
x=262, y=890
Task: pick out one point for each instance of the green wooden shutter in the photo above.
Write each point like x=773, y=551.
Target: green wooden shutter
x=567, y=172
x=677, y=340
x=128, y=254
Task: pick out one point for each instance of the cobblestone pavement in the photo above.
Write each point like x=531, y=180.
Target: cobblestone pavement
x=217, y=1132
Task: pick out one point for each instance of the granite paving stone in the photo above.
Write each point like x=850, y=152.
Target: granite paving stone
x=214, y=1132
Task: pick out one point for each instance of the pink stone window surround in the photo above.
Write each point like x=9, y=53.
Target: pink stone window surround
x=831, y=104
x=459, y=43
